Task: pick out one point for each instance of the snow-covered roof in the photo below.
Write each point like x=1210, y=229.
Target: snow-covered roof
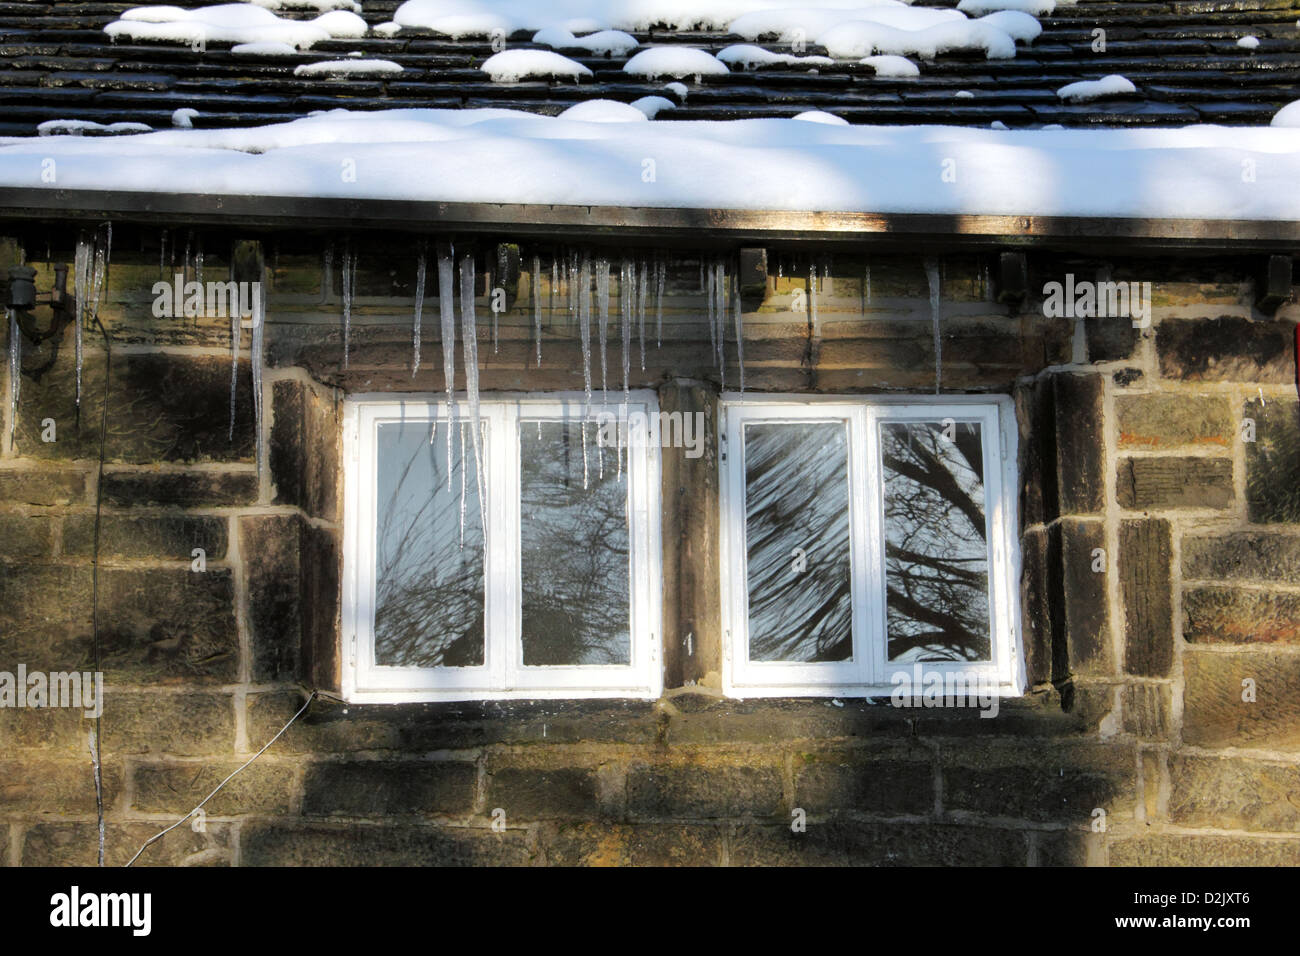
x=613, y=157
x=235, y=62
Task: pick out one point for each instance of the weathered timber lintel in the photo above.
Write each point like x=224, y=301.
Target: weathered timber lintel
x=664, y=225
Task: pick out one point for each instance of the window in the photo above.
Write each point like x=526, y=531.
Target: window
x=866, y=539
x=540, y=580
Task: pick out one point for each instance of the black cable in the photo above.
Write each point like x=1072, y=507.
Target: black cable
x=94, y=586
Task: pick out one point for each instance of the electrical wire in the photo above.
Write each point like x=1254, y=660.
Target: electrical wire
x=158, y=836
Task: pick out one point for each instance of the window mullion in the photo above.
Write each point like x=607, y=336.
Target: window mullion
x=503, y=591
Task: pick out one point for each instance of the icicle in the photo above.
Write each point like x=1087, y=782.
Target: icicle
x=503, y=267
x=618, y=428
x=537, y=305
x=80, y=283
x=98, y=282
x=255, y=364
x=602, y=304
x=711, y=304
x=812, y=300
x=780, y=267
x=421, y=268
x=15, y=374
x=988, y=283
x=720, y=316
x=185, y=262
x=349, y=270
x=600, y=457
x=868, y=282
x=583, y=424
x=447, y=319
x=469, y=337
x=555, y=281
x=582, y=289
x=462, y=484
x=641, y=287
x=661, y=270
x=198, y=258
x=740, y=329
x=932, y=276
x=162, y=254
x=627, y=296
x=234, y=366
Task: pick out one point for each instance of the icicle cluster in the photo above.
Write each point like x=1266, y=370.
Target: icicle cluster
x=536, y=281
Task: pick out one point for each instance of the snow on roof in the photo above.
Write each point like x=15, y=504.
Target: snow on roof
x=1249, y=43
x=892, y=65
x=508, y=156
x=1085, y=90
x=604, y=111
x=652, y=106
x=511, y=66
x=263, y=49
x=232, y=23
x=347, y=68
x=675, y=61
x=747, y=56
x=821, y=116
x=1288, y=115
x=977, y=8
x=602, y=43
x=308, y=5
x=78, y=127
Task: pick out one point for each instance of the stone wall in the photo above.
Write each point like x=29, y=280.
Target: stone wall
x=1161, y=558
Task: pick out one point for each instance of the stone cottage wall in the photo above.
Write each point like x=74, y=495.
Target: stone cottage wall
x=1161, y=560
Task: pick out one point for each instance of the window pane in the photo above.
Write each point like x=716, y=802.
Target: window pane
x=428, y=582
x=936, y=551
x=574, y=543
x=797, y=529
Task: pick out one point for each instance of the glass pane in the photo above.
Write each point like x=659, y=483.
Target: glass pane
x=428, y=564
x=574, y=542
x=797, y=528
x=936, y=552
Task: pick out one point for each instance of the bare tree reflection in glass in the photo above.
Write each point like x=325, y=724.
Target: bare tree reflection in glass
x=936, y=551
x=428, y=585
x=574, y=543
x=797, y=532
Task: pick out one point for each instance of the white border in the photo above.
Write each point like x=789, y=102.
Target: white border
x=869, y=674
x=502, y=675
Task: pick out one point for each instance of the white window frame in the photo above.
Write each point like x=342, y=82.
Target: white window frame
x=869, y=673
x=503, y=675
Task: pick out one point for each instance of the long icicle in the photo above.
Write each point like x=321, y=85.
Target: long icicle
x=537, y=305
x=602, y=302
x=720, y=316
x=235, y=323
x=349, y=271
x=255, y=364
x=421, y=268
x=80, y=279
x=933, y=278
x=740, y=328
x=711, y=304
x=447, y=319
x=641, y=288
x=469, y=336
x=626, y=298
x=15, y=374
x=582, y=290
x=661, y=274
